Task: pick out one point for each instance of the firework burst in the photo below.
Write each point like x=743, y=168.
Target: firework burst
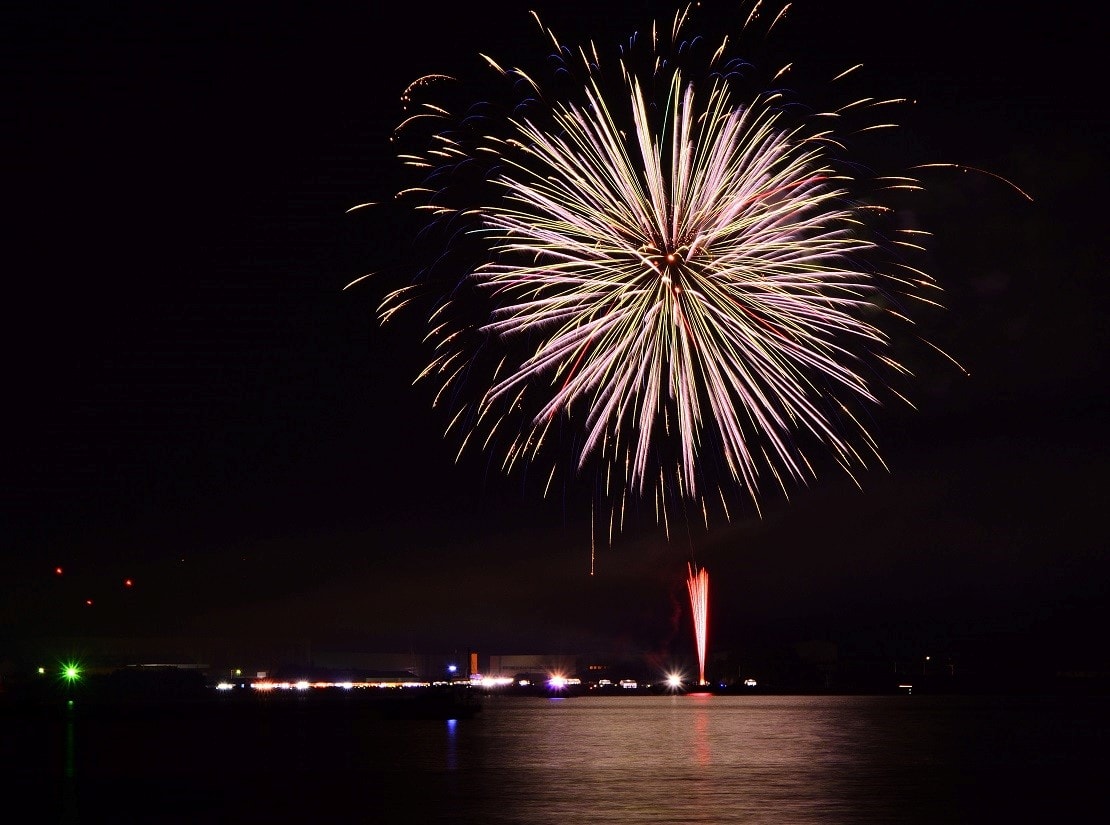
x=658, y=272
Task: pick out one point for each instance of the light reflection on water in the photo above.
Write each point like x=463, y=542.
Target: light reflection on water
x=701, y=759
x=621, y=759
x=714, y=759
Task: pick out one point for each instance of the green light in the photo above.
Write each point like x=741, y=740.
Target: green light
x=71, y=672
x=42, y=671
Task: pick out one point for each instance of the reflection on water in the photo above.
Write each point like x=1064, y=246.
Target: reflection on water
x=70, y=753
x=452, y=731
x=69, y=807
x=781, y=759
x=700, y=746
x=635, y=759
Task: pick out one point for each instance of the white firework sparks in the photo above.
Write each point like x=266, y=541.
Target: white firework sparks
x=674, y=276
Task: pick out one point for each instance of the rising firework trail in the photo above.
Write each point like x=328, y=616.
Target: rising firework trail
x=658, y=272
x=697, y=583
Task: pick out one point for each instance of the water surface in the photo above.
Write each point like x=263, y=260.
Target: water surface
x=619, y=759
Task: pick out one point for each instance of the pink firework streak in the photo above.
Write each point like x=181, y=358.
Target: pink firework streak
x=697, y=582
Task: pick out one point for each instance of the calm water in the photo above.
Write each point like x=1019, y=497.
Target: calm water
x=634, y=759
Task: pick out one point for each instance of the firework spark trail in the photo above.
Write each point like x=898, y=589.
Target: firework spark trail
x=678, y=275
x=697, y=583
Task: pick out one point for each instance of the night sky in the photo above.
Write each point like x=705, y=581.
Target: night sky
x=195, y=403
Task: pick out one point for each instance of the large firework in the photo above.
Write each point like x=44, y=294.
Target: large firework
x=658, y=272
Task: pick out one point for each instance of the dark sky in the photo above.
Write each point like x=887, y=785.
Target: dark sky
x=193, y=401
